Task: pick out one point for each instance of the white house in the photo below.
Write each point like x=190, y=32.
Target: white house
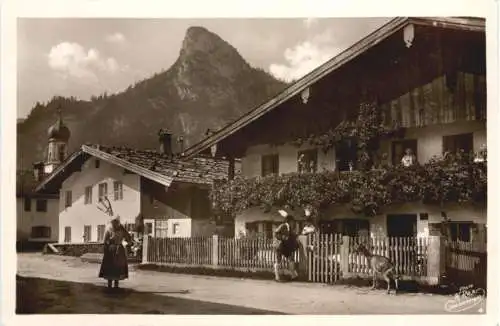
x=427, y=74
x=37, y=215
x=171, y=196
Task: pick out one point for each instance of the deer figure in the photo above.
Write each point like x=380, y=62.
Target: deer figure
x=380, y=265
x=104, y=205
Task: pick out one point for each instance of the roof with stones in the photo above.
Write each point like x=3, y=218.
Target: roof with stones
x=203, y=170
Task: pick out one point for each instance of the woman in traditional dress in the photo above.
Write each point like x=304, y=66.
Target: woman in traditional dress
x=285, y=243
x=409, y=158
x=114, y=267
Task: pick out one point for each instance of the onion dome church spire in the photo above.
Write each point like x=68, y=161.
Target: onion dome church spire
x=58, y=137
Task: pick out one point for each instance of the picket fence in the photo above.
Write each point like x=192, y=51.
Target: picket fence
x=326, y=258
x=408, y=254
x=466, y=263
x=221, y=252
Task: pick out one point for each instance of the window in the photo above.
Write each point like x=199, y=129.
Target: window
x=456, y=143
x=41, y=205
x=399, y=148
x=161, y=228
x=349, y=227
x=68, y=199
x=67, y=234
x=307, y=161
x=176, y=228
x=355, y=227
x=148, y=228
x=401, y=225
x=87, y=233
x=27, y=204
x=252, y=228
x=268, y=229
x=346, y=152
x=88, y=195
x=97, y=164
x=100, y=233
x=103, y=191
x=270, y=164
x=62, y=152
x=460, y=231
x=38, y=232
x=118, y=190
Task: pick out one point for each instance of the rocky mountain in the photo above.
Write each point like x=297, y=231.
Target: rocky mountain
x=208, y=86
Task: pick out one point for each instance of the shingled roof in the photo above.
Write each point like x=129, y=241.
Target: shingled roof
x=26, y=184
x=152, y=165
x=200, y=170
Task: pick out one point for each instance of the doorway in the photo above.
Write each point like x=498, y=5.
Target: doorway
x=399, y=147
x=402, y=225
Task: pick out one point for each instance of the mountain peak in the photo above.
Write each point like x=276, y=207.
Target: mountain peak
x=202, y=45
x=209, y=85
x=199, y=38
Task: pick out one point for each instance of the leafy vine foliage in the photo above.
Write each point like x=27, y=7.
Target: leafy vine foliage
x=451, y=178
x=365, y=133
x=439, y=181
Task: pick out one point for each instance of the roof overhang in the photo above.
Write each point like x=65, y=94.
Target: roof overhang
x=74, y=163
x=368, y=42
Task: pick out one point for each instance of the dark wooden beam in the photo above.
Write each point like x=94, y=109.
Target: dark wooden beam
x=231, y=168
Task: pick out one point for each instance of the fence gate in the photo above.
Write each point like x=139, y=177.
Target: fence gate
x=323, y=260
x=466, y=263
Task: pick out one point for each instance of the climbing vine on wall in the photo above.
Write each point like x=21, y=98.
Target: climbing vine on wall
x=368, y=126
x=448, y=179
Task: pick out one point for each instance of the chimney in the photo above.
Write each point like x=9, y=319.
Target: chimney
x=38, y=171
x=209, y=132
x=180, y=140
x=165, y=138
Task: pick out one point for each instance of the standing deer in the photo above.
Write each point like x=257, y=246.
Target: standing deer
x=380, y=265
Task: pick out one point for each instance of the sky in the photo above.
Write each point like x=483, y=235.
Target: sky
x=89, y=56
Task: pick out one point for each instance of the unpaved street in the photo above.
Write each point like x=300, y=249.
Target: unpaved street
x=156, y=292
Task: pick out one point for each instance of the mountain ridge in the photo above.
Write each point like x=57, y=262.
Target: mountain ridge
x=209, y=85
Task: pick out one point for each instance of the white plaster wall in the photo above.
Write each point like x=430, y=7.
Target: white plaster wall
x=26, y=220
x=430, y=139
x=378, y=224
x=184, y=228
x=288, y=155
x=430, y=143
x=79, y=214
x=252, y=215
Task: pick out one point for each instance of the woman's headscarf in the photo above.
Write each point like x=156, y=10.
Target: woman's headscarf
x=115, y=220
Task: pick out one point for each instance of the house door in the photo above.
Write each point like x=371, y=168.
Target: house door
x=402, y=225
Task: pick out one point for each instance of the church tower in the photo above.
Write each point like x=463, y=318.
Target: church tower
x=58, y=135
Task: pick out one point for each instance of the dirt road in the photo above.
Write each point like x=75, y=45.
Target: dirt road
x=156, y=292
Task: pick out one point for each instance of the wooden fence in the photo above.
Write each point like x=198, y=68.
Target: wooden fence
x=221, y=252
x=323, y=258
x=408, y=254
x=187, y=251
x=466, y=263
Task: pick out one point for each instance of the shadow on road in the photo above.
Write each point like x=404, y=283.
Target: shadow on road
x=42, y=296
